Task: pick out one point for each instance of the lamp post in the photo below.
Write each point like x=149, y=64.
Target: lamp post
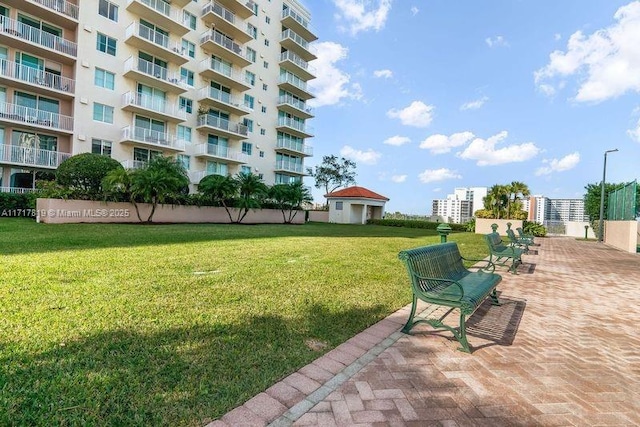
x=604, y=175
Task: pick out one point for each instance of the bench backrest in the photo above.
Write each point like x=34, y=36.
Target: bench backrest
x=494, y=242
x=442, y=261
x=512, y=235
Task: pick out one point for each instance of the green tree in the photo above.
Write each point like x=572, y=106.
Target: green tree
x=82, y=174
x=289, y=198
x=517, y=190
x=497, y=199
x=252, y=191
x=219, y=189
x=333, y=173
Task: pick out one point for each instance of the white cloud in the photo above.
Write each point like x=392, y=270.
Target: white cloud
x=547, y=89
x=417, y=114
x=486, y=153
x=332, y=84
x=440, y=144
x=635, y=133
x=442, y=174
x=363, y=15
x=474, y=105
x=387, y=74
x=557, y=36
x=368, y=157
x=497, y=41
x=606, y=63
x=399, y=178
x=397, y=140
x=414, y=10
x=567, y=162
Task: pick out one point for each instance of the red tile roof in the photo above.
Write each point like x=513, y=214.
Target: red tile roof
x=356, y=193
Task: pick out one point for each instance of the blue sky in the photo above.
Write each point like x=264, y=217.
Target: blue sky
x=429, y=95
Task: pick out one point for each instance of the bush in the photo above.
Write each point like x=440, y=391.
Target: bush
x=534, y=228
x=13, y=201
x=408, y=223
x=82, y=174
x=470, y=225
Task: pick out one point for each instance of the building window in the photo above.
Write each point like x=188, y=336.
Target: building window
x=261, y=153
x=189, y=47
x=263, y=109
x=264, y=86
x=338, y=206
x=106, y=44
x=250, y=78
x=263, y=132
x=186, y=104
x=185, y=161
x=184, y=133
x=265, y=64
x=108, y=10
x=267, y=20
x=189, y=19
x=187, y=76
x=248, y=123
x=105, y=79
x=254, y=6
x=245, y=170
x=100, y=146
x=266, y=42
x=247, y=147
x=260, y=176
x=248, y=101
x=253, y=31
x=251, y=54
x=102, y=113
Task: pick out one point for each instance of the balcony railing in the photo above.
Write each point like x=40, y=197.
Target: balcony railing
x=298, y=147
x=217, y=9
x=296, y=103
x=294, y=80
x=218, y=123
x=62, y=6
x=289, y=166
x=222, y=97
x=37, y=36
x=220, y=40
x=152, y=137
x=299, y=19
x=288, y=34
x=134, y=164
x=221, y=151
x=294, y=124
x=31, y=156
x=35, y=76
x=287, y=55
x=154, y=37
x=16, y=190
x=21, y=114
x=160, y=6
x=153, y=103
x=151, y=69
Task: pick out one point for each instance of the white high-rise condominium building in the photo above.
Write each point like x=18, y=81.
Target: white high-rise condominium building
x=543, y=210
x=221, y=85
x=460, y=206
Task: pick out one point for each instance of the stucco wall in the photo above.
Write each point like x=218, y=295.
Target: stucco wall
x=483, y=225
x=576, y=229
x=319, y=216
x=622, y=235
x=56, y=211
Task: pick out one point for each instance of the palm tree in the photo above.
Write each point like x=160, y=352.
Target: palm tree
x=289, y=198
x=252, y=192
x=496, y=199
x=219, y=189
x=517, y=189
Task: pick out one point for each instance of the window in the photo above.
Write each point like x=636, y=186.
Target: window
x=260, y=176
x=247, y=147
x=265, y=64
x=267, y=20
x=248, y=101
x=248, y=123
x=189, y=47
x=185, y=161
x=253, y=31
x=187, y=76
x=251, y=54
x=263, y=109
x=261, y=153
x=142, y=155
x=189, y=19
x=263, y=132
x=184, y=133
x=105, y=79
x=338, y=206
x=266, y=42
x=246, y=170
x=254, y=7
x=108, y=10
x=186, y=104
x=106, y=44
x=250, y=78
x=100, y=146
x=102, y=113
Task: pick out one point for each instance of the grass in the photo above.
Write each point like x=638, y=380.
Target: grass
x=177, y=324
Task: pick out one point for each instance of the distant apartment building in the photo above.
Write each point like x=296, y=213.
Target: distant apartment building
x=460, y=206
x=219, y=85
x=545, y=210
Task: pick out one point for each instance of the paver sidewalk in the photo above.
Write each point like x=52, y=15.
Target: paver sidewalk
x=563, y=349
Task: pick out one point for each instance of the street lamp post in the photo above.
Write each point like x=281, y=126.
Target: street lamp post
x=604, y=177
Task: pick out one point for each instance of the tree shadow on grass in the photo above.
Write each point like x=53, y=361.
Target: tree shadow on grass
x=179, y=376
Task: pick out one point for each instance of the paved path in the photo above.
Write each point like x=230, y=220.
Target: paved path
x=563, y=350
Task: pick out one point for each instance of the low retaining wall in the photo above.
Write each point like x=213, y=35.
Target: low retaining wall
x=57, y=211
x=622, y=235
x=483, y=225
x=319, y=216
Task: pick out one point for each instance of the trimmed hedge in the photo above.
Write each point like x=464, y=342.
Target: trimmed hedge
x=409, y=223
x=13, y=201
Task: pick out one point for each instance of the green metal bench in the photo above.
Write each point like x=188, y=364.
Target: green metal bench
x=438, y=276
x=517, y=242
x=501, y=254
x=525, y=237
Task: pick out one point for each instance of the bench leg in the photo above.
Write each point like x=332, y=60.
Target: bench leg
x=461, y=336
x=494, y=298
x=410, y=323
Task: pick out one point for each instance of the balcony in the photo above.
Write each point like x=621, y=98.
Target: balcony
x=213, y=69
x=294, y=148
x=35, y=119
x=58, y=12
x=294, y=106
x=31, y=157
x=33, y=40
x=222, y=127
x=296, y=65
x=219, y=45
x=154, y=107
x=294, y=127
x=151, y=139
x=297, y=23
x=33, y=79
x=133, y=164
x=242, y=8
x=220, y=100
x=291, y=167
x=294, y=84
x=160, y=13
x=291, y=41
x=154, y=75
x=154, y=43
x=216, y=15
x=218, y=152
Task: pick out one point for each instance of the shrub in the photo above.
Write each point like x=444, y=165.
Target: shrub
x=83, y=175
x=16, y=202
x=408, y=223
x=470, y=225
x=534, y=228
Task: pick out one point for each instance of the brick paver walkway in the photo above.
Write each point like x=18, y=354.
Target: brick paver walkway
x=563, y=349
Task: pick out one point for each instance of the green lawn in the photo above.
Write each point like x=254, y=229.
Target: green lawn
x=177, y=324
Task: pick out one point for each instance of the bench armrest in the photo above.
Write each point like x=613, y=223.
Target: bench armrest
x=491, y=267
x=436, y=279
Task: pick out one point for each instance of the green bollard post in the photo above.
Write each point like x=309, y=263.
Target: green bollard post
x=586, y=231
x=443, y=230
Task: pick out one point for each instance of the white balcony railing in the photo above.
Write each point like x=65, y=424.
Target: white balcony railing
x=294, y=102
x=294, y=124
x=222, y=41
x=287, y=55
x=295, y=146
x=151, y=69
x=37, y=36
x=289, y=34
x=18, y=113
x=294, y=80
x=152, y=137
x=221, y=151
x=299, y=19
x=154, y=37
x=153, y=103
x=36, y=76
x=220, y=68
x=217, y=9
x=289, y=166
x=27, y=156
x=222, y=97
x=133, y=164
x=62, y=6
x=218, y=123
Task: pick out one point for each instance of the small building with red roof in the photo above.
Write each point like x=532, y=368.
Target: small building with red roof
x=355, y=205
